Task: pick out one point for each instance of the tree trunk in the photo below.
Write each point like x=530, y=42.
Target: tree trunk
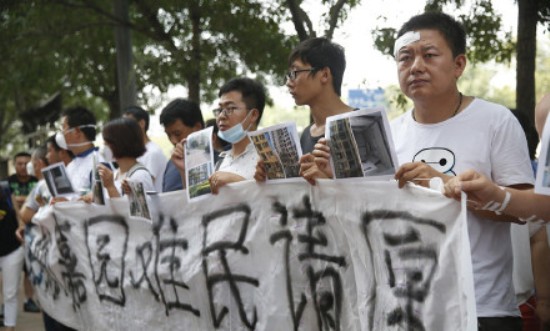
x=194, y=77
x=299, y=19
x=124, y=62
x=526, y=52
x=113, y=100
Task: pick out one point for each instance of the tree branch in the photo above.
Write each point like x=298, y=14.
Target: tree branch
x=298, y=18
x=334, y=14
x=89, y=5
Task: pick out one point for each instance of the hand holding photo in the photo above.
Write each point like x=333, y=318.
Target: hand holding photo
x=57, y=180
x=361, y=144
x=279, y=148
x=199, y=163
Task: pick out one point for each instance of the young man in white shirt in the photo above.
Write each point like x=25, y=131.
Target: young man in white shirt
x=241, y=105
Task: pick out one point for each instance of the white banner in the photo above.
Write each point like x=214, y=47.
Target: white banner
x=283, y=256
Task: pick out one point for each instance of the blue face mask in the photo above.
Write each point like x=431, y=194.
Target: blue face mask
x=235, y=134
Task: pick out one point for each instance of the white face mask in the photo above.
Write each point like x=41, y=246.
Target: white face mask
x=60, y=137
x=30, y=169
x=236, y=133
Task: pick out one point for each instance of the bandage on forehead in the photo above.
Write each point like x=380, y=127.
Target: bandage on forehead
x=406, y=39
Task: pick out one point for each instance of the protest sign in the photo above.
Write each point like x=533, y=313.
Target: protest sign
x=285, y=256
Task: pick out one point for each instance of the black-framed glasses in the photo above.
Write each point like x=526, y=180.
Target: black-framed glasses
x=292, y=74
x=227, y=110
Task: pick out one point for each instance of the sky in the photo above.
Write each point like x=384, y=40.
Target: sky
x=366, y=66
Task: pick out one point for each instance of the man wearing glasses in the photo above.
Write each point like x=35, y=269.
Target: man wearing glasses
x=316, y=70
x=241, y=105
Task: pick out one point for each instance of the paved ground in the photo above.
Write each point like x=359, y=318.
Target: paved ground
x=27, y=321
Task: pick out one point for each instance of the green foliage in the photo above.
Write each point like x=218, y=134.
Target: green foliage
x=542, y=76
x=235, y=38
x=482, y=24
x=544, y=13
x=336, y=13
x=486, y=42
x=384, y=40
x=68, y=46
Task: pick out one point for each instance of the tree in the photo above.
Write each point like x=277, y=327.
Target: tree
x=202, y=43
x=197, y=43
x=530, y=13
x=336, y=14
x=487, y=41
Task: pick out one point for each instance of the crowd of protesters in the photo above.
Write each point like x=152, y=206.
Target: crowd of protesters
x=491, y=161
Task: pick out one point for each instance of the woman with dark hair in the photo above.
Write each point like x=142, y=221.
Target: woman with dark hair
x=125, y=139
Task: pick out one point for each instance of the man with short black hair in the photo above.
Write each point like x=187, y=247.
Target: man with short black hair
x=241, y=105
x=446, y=133
x=78, y=135
x=314, y=78
x=57, y=154
x=180, y=118
x=22, y=182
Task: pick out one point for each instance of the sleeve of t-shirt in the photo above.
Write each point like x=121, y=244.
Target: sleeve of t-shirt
x=509, y=154
x=158, y=162
x=30, y=201
x=143, y=176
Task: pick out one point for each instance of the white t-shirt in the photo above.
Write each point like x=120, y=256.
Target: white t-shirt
x=39, y=192
x=138, y=174
x=485, y=137
x=243, y=165
x=80, y=168
x=155, y=161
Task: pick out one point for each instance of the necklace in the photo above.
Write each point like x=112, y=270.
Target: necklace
x=454, y=113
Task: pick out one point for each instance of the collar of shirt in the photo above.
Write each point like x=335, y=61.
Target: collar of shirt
x=87, y=152
x=229, y=154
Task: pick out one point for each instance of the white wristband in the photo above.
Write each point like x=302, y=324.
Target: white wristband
x=505, y=202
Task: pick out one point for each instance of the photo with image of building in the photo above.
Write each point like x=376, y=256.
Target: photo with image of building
x=273, y=167
x=288, y=154
x=359, y=147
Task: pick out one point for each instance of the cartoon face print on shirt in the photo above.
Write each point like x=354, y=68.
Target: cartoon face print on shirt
x=439, y=158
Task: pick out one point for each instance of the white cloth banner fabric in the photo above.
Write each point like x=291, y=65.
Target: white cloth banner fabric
x=283, y=256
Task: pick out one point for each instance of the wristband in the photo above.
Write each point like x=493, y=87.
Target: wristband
x=498, y=208
x=505, y=202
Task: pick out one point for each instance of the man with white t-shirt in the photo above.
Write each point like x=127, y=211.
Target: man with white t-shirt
x=153, y=159
x=446, y=133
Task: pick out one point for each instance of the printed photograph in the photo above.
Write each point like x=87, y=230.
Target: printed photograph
x=138, y=201
x=199, y=163
x=279, y=149
x=57, y=180
x=360, y=144
x=97, y=189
